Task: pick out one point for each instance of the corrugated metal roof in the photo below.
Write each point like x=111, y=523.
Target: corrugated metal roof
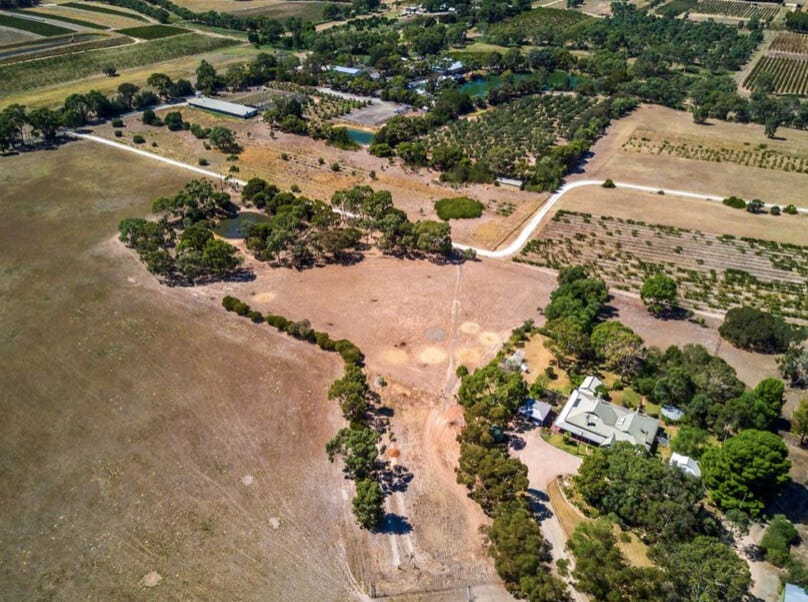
x=223, y=106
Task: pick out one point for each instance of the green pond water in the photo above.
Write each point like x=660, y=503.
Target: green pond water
x=360, y=136
x=237, y=227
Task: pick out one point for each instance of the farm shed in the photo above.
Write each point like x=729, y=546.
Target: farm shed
x=224, y=107
x=352, y=71
x=686, y=464
x=537, y=411
x=510, y=182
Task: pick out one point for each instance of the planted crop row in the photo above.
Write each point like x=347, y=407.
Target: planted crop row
x=713, y=272
x=758, y=156
x=533, y=26
x=152, y=32
x=29, y=75
x=790, y=74
x=93, y=44
x=37, y=27
x=788, y=41
x=107, y=11
x=735, y=8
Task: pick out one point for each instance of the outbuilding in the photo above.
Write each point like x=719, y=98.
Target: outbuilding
x=537, y=411
x=223, y=107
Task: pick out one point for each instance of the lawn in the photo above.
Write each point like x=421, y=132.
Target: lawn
x=20, y=77
x=37, y=27
x=152, y=32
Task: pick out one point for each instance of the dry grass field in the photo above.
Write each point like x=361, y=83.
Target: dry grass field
x=414, y=191
x=112, y=21
x=311, y=10
x=15, y=36
x=616, y=157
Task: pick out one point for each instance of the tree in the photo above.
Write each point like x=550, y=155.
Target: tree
x=707, y=570
x=173, y=121
x=602, y=572
x=777, y=540
x=794, y=366
x=746, y=469
x=128, y=92
x=224, y=139
x=44, y=122
x=162, y=83
x=658, y=293
x=358, y=450
x=433, y=237
x=492, y=476
x=756, y=330
x=493, y=394
x=206, y=79
x=12, y=120
x=799, y=420
x=690, y=441
x=110, y=70
x=618, y=347
x=367, y=504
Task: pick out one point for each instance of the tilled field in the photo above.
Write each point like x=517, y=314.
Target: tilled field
x=714, y=272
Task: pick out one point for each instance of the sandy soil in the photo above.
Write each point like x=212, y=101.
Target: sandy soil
x=681, y=212
x=610, y=160
x=413, y=191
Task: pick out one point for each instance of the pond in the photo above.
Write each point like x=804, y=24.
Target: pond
x=237, y=227
x=360, y=136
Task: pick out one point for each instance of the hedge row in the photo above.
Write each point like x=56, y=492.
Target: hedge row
x=302, y=330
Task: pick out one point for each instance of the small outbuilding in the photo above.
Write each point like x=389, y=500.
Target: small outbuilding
x=672, y=413
x=537, y=411
x=222, y=106
x=512, y=182
x=352, y=71
x=686, y=464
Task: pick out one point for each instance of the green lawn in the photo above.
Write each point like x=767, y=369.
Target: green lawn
x=152, y=32
x=29, y=75
x=37, y=27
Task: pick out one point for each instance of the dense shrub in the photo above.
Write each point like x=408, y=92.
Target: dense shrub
x=458, y=208
x=756, y=330
x=734, y=202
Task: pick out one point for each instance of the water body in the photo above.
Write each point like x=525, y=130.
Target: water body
x=360, y=136
x=237, y=227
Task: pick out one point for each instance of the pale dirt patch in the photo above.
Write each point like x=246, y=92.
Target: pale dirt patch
x=151, y=579
x=265, y=297
x=397, y=357
x=468, y=356
x=432, y=355
x=247, y=480
x=489, y=338
x=469, y=328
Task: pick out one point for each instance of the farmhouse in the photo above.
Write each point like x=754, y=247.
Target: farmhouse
x=686, y=464
x=221, y=106
x=594, y=420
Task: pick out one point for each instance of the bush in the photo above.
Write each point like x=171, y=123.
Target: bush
x=775, y=210
x=458, y=208
x=335, y=166
x=118, y=133
x=790, y=210
x=150, y=118
x=117, y=122
x=349, y=352
x=138, y=139
x=755, y=206
x=203, y=162
x=324, y=341
x=734, y=202
x=278, y=322
x=255, y=316
x=461, y=371
x=756, y=330
x=779, y=537
x=229, y=303
x=173, y=121
x=241, y=308
x=609, y=183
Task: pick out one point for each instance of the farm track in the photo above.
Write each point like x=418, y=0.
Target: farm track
x=504, y=253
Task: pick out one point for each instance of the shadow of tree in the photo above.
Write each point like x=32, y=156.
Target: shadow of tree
x=395, y=524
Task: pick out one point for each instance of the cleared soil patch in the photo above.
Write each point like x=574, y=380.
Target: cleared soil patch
x=612, y=160
x=134, y=413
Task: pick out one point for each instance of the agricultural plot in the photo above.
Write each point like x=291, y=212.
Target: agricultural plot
x=302, y=9
x=533, y=26
x=512, y=136
x=64, y=18
x=62, y=12
x=790, y=74
x=713, y=272
x=725, y=8
x=92, y=42
x=152, y=32
x=104, y=10
x=19, y=77
x=318, y=106
x=37, y=27
x=751, y=156
x=790, y=42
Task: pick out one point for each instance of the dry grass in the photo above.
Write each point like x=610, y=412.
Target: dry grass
x=611, y=160
x=538, y=357
x=107, y=20
x=568, y=516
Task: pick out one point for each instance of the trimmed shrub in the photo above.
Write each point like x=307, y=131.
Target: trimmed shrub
x=255, y=316
x=609, y=183
x=350, y=353
x=458, y=208
x=734, y=202
x=138, y=139
x=229, y=303
x=278, y=322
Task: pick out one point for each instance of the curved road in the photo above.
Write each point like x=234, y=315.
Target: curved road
x=503, y=253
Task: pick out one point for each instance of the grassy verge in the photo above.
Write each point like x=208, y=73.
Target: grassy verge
x=37, y=27
x=88, y=24
x=106, y=11
x=152, y=32
x=20, y=77
x=566, y=514
x=573, y=447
